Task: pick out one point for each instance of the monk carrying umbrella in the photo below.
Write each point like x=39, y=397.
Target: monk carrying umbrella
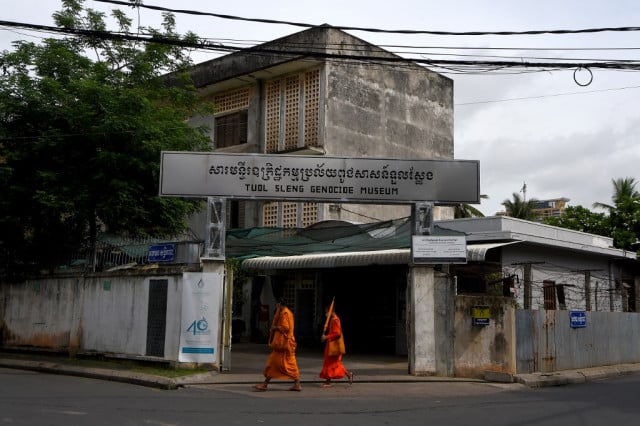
x=332, y=367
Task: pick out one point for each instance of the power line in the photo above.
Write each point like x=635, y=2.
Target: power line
x=375, y=30
x=297, y=54
x=547, y=96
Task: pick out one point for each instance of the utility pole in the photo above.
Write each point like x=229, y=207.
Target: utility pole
x=527, y=285
x=528, y=280
x=587, y=290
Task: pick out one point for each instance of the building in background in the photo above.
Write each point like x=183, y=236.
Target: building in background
x=550, y=208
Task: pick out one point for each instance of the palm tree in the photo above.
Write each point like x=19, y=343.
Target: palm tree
x=520, y=208
x=464, y=210
x=624, y=214
x=624, y=189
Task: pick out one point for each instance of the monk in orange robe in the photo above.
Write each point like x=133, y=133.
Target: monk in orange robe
x=332, y=367
x=282, y=362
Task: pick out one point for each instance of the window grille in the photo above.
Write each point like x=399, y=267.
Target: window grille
x=270, y=214
x=232, y=101
x=311, y=107
x=272, y=116
x=309, y=213
x=289, y=215
x=291, y=111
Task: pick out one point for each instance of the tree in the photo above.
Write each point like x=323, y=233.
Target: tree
x=464, y=210
x=83, y=121
x=624, y=214
x=582, y=219
x=519, y=208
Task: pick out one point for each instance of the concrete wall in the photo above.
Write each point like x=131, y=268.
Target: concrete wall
x=384, y=111
x=388, y=112
x=477, y=348
x=102, y=314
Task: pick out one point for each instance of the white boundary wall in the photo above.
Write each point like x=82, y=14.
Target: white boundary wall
x=102, y=314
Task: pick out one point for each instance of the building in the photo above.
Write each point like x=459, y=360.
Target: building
x=529, y=278
x=323, y=92
x=550, y=208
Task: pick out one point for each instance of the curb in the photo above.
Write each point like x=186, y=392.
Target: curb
x=93, y=373
x=534, y=380
x=571, y=377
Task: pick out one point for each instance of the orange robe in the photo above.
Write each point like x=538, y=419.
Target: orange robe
x=283, y=365
x=332, y=367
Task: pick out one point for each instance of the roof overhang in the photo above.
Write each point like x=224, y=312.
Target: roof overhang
x=475, y=253
x=329, y=260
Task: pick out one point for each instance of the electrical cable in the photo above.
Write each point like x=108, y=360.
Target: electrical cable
x=374, y=30
x=388, y=58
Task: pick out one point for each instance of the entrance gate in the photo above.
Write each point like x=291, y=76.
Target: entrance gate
x=420, y=183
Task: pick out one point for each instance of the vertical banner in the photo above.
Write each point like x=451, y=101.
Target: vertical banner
x=200, y=321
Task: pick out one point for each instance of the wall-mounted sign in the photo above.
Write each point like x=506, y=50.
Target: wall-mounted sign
x=318, y=178
x=578, y=319
x=480, y=315
x=427, y=249
x=161, y=253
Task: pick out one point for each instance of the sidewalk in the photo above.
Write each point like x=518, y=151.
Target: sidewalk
x=247, y=364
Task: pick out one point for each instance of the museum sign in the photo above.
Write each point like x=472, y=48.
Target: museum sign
x=318, y=178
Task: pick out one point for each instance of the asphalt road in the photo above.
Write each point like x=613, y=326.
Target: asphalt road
x=30, y=398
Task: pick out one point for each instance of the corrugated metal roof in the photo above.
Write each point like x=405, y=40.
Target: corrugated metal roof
x=329, y=260
x=475, y=253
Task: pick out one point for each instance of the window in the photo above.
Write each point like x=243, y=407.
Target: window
x=292, y=111
x=549, y=289
x=231, y=129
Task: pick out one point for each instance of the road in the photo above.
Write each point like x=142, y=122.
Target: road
x=29, y=398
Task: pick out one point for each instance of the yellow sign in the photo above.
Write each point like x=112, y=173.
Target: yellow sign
x=480, y=315
x=480, y=312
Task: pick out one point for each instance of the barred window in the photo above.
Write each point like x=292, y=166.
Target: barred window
x=231, y=129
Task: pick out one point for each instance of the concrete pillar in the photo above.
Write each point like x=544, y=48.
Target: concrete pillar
x=444, y=319
x=636, y=283
x=224, y=324
x=431, y=314
x=421, y=335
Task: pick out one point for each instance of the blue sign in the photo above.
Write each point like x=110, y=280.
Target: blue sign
x=578, y=319
x=161, y=253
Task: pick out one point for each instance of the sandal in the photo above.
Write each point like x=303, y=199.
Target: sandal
x=295, y=388
x=326, y=385
x=350, y=375
x=261, y=387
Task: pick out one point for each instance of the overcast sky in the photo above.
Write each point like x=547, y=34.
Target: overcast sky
x=541, y=128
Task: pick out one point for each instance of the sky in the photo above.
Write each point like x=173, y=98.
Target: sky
x=539, y=130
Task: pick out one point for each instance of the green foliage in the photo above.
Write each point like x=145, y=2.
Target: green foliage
x=624, y=214
x=621, y=222
x=467, y=211
x=581, y=219
x=83, y=121
x=520, y=208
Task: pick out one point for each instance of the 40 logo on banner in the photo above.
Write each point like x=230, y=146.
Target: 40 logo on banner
x=199, y=327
